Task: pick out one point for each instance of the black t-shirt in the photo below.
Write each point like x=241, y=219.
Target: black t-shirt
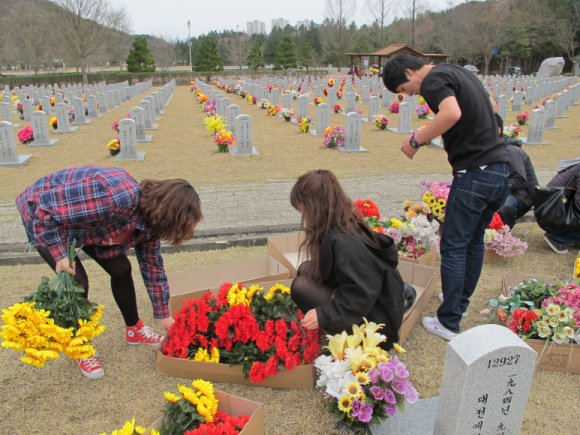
x=474, y=140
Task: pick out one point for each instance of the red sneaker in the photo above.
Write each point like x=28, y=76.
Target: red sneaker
x=141, y=334
x=91, y=367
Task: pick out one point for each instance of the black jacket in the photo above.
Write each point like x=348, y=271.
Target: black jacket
x=523, y=178
x=366, y=282
x=562, y=178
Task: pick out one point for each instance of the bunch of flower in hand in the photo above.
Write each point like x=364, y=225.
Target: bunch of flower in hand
x=512, y=131
x=363, y=383
x=287, y=114
x=26, y=135
x=114, y=146
x=499, y=238
x=380, y=121
x=304, y=124
x=334, y=136
x=422, y=111
x=523, y=118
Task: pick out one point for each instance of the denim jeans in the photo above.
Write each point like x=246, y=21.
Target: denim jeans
x=565, y=236
x=509, y=210
x=473, y=199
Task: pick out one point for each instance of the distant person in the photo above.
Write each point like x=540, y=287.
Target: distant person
x=523, y=180
x=356, y=71
x=352, y=271
x=558, y=237
x=107, y=212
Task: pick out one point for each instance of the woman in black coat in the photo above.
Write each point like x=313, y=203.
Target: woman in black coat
x=352, y=272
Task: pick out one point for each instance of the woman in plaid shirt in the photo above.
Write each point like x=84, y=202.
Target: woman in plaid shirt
x=107, y=212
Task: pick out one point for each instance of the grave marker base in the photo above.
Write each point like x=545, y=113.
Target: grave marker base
x=50, y=143
x=19, y=163
x=148, y=138
x=436, y=143
x=153, y=127
x=140, y=156
x=87, y=121
x=525, y=141
x=72, y=129
x=95, y=117
x=315, y=132
x=234, y=151
x=360, y=149
x=396, y=130
x=418, y=418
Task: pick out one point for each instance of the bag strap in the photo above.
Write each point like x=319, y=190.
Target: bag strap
x=572, y=177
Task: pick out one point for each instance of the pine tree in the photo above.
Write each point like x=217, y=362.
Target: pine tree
x=285, y=54
x=255, y=58
x=307, y=56
x=207, y=58
x=140, y=59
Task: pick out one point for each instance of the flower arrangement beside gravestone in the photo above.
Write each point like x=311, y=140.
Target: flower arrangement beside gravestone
x=359, y=111
x=512, y=131
x=263, y=103
x=380, y=121
x=53, y=122
x=523, y=118
x=215, y=123
x=223, y=139
x=422, y=111
x=52, y=101
x=272, y=109
x=202, y=98
x=325, y=92
x=287, y=114
x=115, y=126
x=421, y=128
x=26, y=135
x=394, y=107
x=304, y=123
x=362, y=382
x=334, y=136
x=210, y=108
x=317, y=100
x=251, y=99
x=331, y=82
x=400, y=97
x=337, y=108
x=114, y=147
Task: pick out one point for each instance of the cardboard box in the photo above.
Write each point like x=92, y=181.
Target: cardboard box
x=424, y=280
x=301, y=377
x=490, y=256
x=513, y=280
x=285, y=249
x=182, y=284
x=428, y=259
x=556, y=357
x=235, y=406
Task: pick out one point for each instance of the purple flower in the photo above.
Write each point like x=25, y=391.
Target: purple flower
x=391, y=410
x=401, y=371
x=378, y=392
x=387, y=374
x=399, y=386
x=411, y=395
x=356, y=407
x=374, y=375
x=389, y=397
x=364, y=414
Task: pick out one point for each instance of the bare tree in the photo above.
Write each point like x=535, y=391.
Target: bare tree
x=236, y=49
x=411, y=9
x=164, y=52
x=340, y=13
x=567, y=29
x=119, y=47
x=85, y=26
x=379, y=13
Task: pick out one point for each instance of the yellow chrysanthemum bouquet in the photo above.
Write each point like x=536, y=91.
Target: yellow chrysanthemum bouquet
x=56, y=318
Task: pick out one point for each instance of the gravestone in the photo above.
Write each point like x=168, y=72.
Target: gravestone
x=102, y=103
x=317, y=93
x=366, y=94
x=110, y=99
x=560, y=106
x=27, y=110
x=79, y=109
x=8, y=153
x=302, y=107
x=157, y=103
x=40, y=129
x=352, y=133
x=92, y=106
x=137, y=114
x=332, y=97
x=322, y=119
x=373, y=110
x=484, y=390
x=286, y=101
x=386, y=98
x=117, y=97
x=550, y=115
x=62, y=119
x=128, y=139
x=404, y=125
x=517, y=101
x=502, y=106
x=350, y=103
x=6, y=113
x=146, y=106
x=46, y=107
x=151, y=100
x=536, y=131
x=232, y=112
x=58, y=98
x=275, y=96
x=348, y=87
x=244, y=137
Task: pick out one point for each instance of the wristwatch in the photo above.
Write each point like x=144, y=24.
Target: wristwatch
x=414, y=142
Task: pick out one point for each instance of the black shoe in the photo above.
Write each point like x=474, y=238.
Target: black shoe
x=556, y=247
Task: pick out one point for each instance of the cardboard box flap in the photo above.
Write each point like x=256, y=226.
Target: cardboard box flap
x=284, y=248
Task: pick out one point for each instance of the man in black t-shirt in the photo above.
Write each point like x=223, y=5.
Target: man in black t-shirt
x=464, y=117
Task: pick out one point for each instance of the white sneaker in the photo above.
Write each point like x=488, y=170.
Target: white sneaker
x=432, y=325
x=440, y=297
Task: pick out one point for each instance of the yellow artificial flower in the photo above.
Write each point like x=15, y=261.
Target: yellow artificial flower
x=357, y=357
x=382, y=358
x=396, y=223
x=253, y=289
x=353, y=389
x=201, y=355
x=205, y=387
x=215, y=355
x=214, y=124
x=554, y=322
x=552, y=309
x=283, y=289
x=362, y=378
x=345, y=404
x=336, y=345
x=369, y=364
x=171, y=397
x=398, y=348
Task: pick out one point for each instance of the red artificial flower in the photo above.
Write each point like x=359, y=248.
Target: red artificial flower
x=496, y=223
x=271, y=366
x=530, y=315
x=258, y=372
x=367, y=208
x=266, y=337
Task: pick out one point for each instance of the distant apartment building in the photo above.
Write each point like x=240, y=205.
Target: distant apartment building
x=306, y=23
x=279, y=22
x=255, y=27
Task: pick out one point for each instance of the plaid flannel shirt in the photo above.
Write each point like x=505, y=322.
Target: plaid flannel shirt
x=91, y=204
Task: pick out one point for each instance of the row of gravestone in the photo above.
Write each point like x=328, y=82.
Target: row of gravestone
x=8, y=152
x=534, y=90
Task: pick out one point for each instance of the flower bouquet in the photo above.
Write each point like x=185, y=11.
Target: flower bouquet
x=400, y=97
x=512, y=131
x=287, y=114
x=259, y=331
x=26, y=135
x=337, y=108
x=422, y=111
x=380, y=121
x=499, y=239
x=19, y=108
x=304, y=124
x=115, y=126
x=223, y=139
x=359, y=111
x=523, y=118
x=251, y=99
x=272, y=109
x=325, y=92
x=114, y=146
x=334, y=136
x=363, y=384
x=317, y=100
x=421, y=128
x=216, y=123
x=55, y=318
x=39, y=107
x=331, y=83
x=198, y=92
x=263, y=103
x=357, y=96
x=202, y=98
x=210, y=108
x=434, y=199
x=53, y=122
x=394, y=107
x=339, y=94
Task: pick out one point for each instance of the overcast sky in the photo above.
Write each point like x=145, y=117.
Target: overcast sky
x=169, y=17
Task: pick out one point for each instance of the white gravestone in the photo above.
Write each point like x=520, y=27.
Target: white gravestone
x=92, y=106
x=102, y=103
x=6, y=113
x=244, y=137
x=386, y=99
x=152, y=109
x=128, y=139
x=560, y=106
x=352, y=133
x=373, y=110
x=275, y=97
x=137, y=114
x=331, y=97
x=146, y=106
x=322, y=119
x=8, y=152
x=287, y=101
x=62, y=119
x=502, y=106
x=232, y=112
x=302, y=107
x=27, y=110
x=46, y=107
x=350, y=103
x=40, y=129
x=550, y=115
x=404, y=125
x=79, y=108
x=157, y=103
x=366, y=94
x=517, y=101
x=536, y=131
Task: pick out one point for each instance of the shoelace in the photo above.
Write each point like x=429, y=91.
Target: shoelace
x=92, y=363
x=146, y=332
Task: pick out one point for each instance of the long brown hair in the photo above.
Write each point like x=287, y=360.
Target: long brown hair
x=171, y=208
x=324, y=205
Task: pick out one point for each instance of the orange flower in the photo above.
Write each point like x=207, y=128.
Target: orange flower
x=502, y=315
x=407, y=203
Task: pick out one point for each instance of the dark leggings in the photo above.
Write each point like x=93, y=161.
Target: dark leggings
x=118, y=268
x=306, y=293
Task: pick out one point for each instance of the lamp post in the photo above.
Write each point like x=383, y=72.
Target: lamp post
x=189, y=43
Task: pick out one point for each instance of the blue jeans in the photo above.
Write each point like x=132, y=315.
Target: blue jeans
x=509, y=210
x=565, y=237
x=473, y=199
